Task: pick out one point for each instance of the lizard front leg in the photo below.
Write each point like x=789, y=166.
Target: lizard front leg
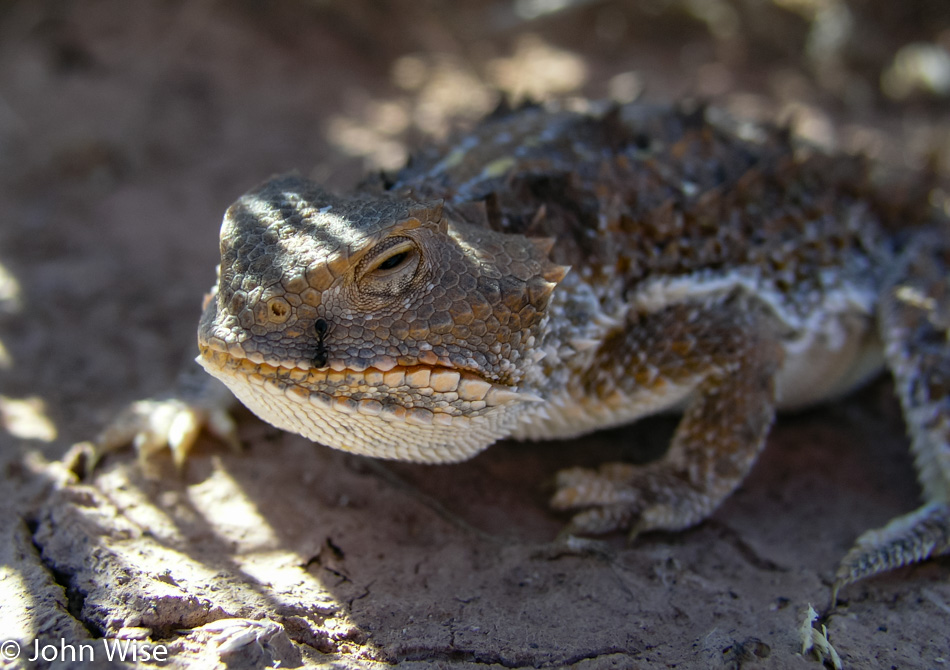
x=726, y=357
x=173, y=421
x=914, y=322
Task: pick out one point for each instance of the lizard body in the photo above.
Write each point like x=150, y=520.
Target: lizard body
x=555, y=272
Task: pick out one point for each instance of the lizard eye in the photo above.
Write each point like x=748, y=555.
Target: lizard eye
x=390, y=269
x=393, y=261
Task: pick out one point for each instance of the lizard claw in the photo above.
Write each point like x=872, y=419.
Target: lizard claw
x=153, y=425
x=608, y=497
x=177, y=424
x=601, y=520
x=621, y=496
x=158, y=424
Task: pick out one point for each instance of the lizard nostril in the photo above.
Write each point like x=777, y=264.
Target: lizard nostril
x=278, y=310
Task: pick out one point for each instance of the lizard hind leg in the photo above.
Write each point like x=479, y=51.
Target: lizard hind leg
x=914, y=321
x=731, y=357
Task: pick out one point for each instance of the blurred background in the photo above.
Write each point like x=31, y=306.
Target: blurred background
x=377, y=76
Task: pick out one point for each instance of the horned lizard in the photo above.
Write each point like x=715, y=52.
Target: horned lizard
x=557, y=271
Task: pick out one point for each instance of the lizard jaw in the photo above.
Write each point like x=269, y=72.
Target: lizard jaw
x=420, y=413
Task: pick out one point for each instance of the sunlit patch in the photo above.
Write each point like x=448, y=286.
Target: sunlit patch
x=538, y=70
x=446, y=88
x=373, y=139
x=626, y=87
x=914, y=297
x=9, y=292
x=920, y=67
x=533, y=9
x=337, y=226
x=15, y=588
x=441, y=89
x=940, y=199
x=720, y=17
x=218, y=511
x=222, y=498
x=26, y=418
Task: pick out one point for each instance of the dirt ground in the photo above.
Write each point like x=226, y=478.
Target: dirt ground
x=128, y=126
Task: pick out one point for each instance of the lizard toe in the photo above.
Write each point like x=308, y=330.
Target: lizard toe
x=601, y=520
x=611, y=484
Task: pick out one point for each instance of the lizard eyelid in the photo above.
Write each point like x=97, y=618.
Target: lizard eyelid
x=395, y=258
x=391, y=269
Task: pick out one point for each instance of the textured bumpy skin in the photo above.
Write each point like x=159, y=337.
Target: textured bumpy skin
x=558, y=271
x=422, y=360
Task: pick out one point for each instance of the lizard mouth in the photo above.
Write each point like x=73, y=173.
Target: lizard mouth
x=422, y=393
x=421, y=413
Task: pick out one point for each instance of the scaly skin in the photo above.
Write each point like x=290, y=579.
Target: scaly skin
x=421, y=361
x=556, y=272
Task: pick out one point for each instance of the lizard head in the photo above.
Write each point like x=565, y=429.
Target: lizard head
x=375, y=324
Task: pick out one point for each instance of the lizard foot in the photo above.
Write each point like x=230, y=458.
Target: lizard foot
x=151, y=426
x=911, y=538
x=605, y=496
x=622, y=496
